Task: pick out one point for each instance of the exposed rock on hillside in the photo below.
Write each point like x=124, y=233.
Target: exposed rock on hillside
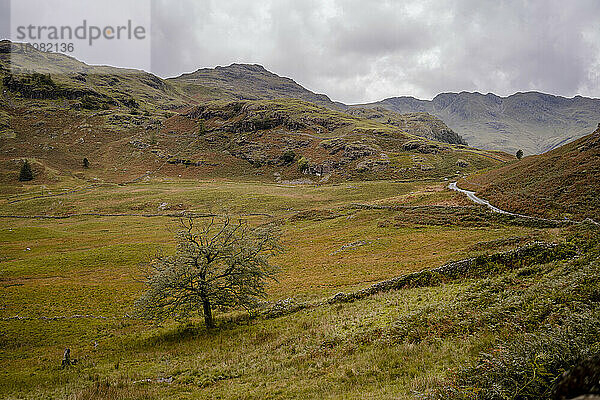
x=532, y=121
x=418, y=123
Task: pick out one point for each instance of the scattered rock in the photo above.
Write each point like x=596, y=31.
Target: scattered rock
x=333, y=145
x=352, y=245
x=462, y=163
x=283, y=307
x=372, y=165
x=421, y=147
x=323, y=168
x=354, y=151
x=139, y=144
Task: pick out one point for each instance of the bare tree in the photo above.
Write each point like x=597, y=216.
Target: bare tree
x=220, y=264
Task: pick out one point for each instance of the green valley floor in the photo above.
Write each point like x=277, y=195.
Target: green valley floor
x=70, y=281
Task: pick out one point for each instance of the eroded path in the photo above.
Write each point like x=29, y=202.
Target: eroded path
x=471, y=195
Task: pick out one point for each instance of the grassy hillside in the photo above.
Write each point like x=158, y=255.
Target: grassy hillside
x=72, y=283
x=532, y=121
x=417, y=123
x=85, y=86
x=295, y=139
x=274, y=140
x=564, y=182
x=131, y=124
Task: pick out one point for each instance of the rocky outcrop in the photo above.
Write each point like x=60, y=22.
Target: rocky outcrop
x=422, y=147
x=40, y=86
x=462, y=163
x=356, y=150
x=580, y=382
x=376, y=165
x=333, y=146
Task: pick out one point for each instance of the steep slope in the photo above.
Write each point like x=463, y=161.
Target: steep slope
x=534, y=122
x=564, y=182
x=293, y=138
x=253, y=82
x=247, y=82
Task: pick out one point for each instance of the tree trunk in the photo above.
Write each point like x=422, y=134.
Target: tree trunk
x=208, y=319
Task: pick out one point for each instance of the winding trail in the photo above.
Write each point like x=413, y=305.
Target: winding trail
x=471, y=195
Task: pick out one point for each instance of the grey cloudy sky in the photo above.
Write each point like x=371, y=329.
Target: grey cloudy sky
x=363, y=50
x=358, y=51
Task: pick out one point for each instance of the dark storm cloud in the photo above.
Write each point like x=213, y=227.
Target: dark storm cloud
x=358, y=51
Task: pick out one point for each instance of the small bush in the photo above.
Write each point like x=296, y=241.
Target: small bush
x=303, y=164
x=519, y=154
x=201, y=128
x=288, y=156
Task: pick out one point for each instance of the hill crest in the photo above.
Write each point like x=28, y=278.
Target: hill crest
x=250, y=82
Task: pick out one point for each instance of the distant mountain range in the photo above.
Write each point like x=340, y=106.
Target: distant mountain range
x=532, y=121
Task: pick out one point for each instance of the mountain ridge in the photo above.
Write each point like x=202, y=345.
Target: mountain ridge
x=241, y=81
x=532, y=121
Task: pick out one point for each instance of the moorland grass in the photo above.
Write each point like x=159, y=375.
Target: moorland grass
x=88, y=266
